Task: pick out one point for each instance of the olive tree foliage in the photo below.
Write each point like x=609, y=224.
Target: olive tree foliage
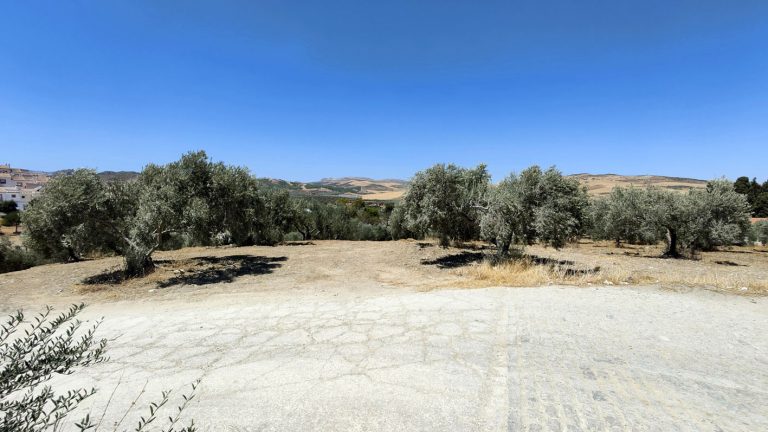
x=206, y=202
x=700, y=219
x=277, y=218
x=398, y=225
x=533, y=206
x=30, y=356
x=66, y=220
x=33, y=351
x=13, y=258
x=759, y=232
x=446, y=200
x=622, y=216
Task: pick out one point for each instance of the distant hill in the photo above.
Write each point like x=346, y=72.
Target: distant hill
x=601, y=184
x=118, y=175
x=392, y=189
x=346, y=187
x=104, y=175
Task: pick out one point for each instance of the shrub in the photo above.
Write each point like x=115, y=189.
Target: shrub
x=14, y=258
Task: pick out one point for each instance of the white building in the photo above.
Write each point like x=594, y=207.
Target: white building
x=20, y=185
x=20, y=196
x=6, y=180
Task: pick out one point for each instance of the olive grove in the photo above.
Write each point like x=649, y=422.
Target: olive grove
x=700, y=219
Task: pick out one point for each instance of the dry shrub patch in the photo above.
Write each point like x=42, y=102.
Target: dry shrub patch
x=742, y=270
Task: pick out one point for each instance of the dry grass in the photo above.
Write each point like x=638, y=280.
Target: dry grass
x=527, y=272
x=739, y=270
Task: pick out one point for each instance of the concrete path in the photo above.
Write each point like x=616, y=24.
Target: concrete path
x=549, y=359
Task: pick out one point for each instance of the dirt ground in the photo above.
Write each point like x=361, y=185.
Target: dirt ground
x=11, y=234
x=741, y=270
x=331, y=268
x=322, y=268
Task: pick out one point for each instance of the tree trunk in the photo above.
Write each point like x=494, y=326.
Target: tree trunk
x=672, y=251
x=73, y=257
x=138, y=262
x=503, y=245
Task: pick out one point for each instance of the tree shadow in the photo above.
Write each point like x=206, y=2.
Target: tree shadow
x=299, y=243
x=110, y=277
x=198, y=270
x=212, y=270
x=475, y=246
x=730, y=263
x=455, y=260
x=549, y=261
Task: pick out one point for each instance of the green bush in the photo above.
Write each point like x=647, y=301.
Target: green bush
x=759, y=232
x=14, y=258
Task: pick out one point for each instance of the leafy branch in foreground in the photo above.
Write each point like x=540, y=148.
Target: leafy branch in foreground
x=32, y=352
x=30, y=356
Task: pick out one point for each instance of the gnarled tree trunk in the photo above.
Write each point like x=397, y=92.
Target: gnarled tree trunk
x=138, y=260
x=672, y=250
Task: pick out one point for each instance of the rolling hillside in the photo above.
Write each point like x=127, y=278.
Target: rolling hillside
x=393, y=189
x=601, y=184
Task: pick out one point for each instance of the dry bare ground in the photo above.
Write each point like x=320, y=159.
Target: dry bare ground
x=11, y=234
x=330, y=268
x=742, y=270
x=321, y=268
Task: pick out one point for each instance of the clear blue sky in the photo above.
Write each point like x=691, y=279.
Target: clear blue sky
x=307, y=89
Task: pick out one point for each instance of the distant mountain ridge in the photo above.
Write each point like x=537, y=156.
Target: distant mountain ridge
x=392, y=189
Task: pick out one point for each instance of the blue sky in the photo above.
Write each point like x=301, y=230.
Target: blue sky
x=309, y=89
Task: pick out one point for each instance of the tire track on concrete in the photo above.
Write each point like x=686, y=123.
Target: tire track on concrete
x=495, y=401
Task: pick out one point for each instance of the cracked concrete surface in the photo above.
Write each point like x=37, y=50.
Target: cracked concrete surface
x=548, y=359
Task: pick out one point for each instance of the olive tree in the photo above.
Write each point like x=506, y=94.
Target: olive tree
x=204, y=201
x=535, y=205
x=210, y=203
x=700, y=219
x=623, y=216
x=67, y=219
x=446, y=200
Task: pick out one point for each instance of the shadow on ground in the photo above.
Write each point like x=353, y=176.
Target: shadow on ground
x=299, y=243
x=455, y=260
x=730, y=263
x=199, y=270
x=211, y=270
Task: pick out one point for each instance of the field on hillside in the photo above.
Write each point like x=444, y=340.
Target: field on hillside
x=602, y=184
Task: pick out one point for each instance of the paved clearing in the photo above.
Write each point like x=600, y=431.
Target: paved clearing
x=490, y=359
x=340, y=336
